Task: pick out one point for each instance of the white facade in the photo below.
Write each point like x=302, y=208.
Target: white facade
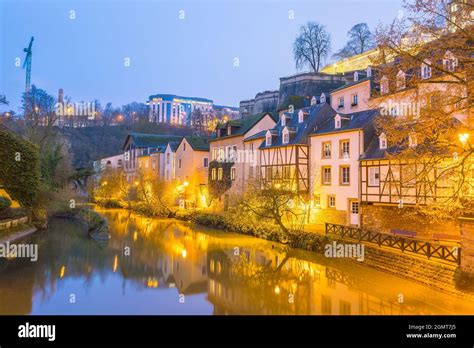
x=169, y=173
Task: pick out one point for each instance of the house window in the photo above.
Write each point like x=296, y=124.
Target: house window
x=374, y=176
x=326, y=305
x=286, y=172
x=341, y=102
x=317, y=200
x=179, y=163
x=251, y=172
x=229, y=130
x=384, y=85
x=268, y=140
x=228, y=153
x=326, y=175
x=322, y=99
x=286, y=136
x=382, y=141
x=356, y=76
x=184, y=146
x=301, y=116
x=337, y=122
x=401, y=80
x=450, y=62
x=214, y=154
x=220, y=173
x=233, y=154
x=426, y=70
x=369, y=71
x=206, y=162
x=283, y=120
x=168, y=158
x=213, y=174
x=344, y=149
x=326, y=146
x=344, y=308
x=232, y=173
x=412, y=140
x=355, y=100
x=331, y=201
x=221, y=154
x=344, y=175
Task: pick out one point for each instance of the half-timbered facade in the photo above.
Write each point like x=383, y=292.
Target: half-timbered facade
x=285, y=152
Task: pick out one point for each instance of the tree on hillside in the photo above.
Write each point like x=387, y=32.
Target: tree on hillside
x=312, y=46
x=360, y=40
x=429, y=52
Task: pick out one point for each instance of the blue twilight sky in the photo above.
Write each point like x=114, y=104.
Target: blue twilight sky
x=192, y=56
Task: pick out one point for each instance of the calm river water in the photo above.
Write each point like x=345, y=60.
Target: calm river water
x=153, y=266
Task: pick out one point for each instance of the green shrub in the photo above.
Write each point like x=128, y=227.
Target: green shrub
x=5, y=203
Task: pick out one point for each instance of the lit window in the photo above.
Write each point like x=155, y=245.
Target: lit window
x=326, y=175
x=317, y=200
x=374, y=176
x=286, y=172
x=326, y=149
x=232, y=173
x=221, y=154
x=214, y=154
x=383, y=141
x=220, y=174
x=344, y=175
x=331, y=201
x=213, y=174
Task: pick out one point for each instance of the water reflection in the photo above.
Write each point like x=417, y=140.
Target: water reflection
x=152, y=266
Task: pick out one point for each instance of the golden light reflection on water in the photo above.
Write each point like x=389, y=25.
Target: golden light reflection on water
x=234, y=274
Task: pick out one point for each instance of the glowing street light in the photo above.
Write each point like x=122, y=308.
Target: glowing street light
x=136, y=183
x=463, y=137
x=185, y=184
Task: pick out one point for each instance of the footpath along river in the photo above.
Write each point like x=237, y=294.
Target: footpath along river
x=163, y=266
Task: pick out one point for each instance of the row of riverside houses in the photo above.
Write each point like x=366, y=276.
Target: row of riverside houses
x=329, y=152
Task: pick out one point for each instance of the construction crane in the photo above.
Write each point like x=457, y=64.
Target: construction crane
x=27, y=65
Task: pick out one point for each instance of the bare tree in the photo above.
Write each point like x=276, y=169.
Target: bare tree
x=311, y=46
x=360, y=40
x=426, y=59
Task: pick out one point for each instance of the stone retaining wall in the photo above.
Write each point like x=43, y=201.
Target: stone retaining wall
x=4, y=224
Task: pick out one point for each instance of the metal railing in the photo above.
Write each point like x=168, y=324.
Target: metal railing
x=420, y=247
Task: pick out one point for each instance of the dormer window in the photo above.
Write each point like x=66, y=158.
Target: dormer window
x=322, y=99
x=283, y=120
x=286, y=135
x=314, y=101
x=301, y=114
x=356, y=76
x=412, y=140
x=401, y=80
x=369, y=71
x=384, y=85
x=337, y=122
x=268, y=138
x=426, y=69
x=383, y=141
x=450, y=62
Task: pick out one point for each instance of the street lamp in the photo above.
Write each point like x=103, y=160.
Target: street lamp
x=463, y=137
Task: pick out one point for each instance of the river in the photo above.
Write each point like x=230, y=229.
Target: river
x=163, y=266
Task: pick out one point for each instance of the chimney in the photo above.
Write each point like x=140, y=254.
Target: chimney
x=60, y=95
